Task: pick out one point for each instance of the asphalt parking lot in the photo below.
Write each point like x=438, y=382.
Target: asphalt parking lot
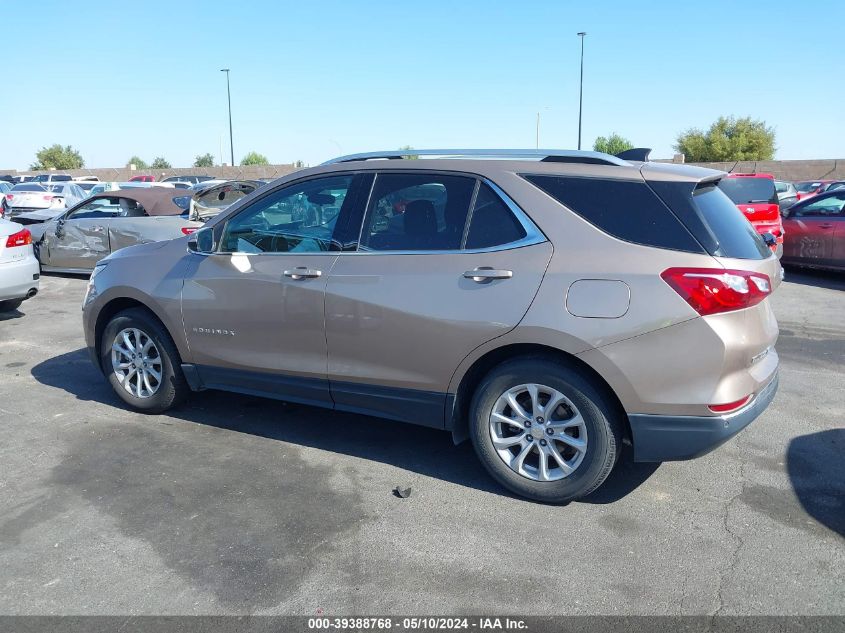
x=234, y=504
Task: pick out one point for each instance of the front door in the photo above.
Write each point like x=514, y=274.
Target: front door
x=80, y=238
x=429, y=283
x=811, y=230
x=253, y=311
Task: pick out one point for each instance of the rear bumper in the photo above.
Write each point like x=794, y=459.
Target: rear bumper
x=663, y=438
x=18, y=279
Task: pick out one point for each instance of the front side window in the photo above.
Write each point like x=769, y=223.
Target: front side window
x=830, y=205
x=417, y=212
x=300, y=218
x=99, y=208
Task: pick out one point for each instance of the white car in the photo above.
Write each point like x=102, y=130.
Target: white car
x=19, y=269
x=35, y=202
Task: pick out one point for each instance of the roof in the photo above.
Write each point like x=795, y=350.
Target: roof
x=155, y=200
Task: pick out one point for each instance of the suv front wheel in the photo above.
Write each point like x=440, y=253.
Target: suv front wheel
x=544, y=431
x=141, y=362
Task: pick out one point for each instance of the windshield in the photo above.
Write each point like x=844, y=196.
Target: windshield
x=781, y=186
x=806, y=187
x=744, y=190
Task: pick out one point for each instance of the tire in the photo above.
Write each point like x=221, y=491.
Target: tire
x=584, y=414
x=10, y=304
x=168, y=391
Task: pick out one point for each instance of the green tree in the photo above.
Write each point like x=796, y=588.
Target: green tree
x=139, y=163
x=409, y=156
x=57, y=157
x=254, y=158
x=613, y=144
x=204, y=160
x=728, y=139
x=160, y=163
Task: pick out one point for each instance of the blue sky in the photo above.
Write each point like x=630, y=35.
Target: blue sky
x=311, y=80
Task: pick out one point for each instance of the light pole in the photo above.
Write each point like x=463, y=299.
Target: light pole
x=581, y=90
x=229, y=96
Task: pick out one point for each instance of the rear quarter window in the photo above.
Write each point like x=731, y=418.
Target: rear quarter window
x=628, y=210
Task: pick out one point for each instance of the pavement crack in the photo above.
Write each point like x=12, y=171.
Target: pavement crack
x=739, y=542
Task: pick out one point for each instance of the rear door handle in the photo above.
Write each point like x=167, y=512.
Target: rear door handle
x=485, y=274
x=301, y=272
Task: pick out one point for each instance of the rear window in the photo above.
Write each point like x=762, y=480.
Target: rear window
x=28, y=188
x=744, y=190
x=733, y=232
x=628, y=210
x=806, y=187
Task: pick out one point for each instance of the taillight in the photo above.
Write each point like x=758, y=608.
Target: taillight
x=21, y=238
x=729, y=406
x=187, y=230
x=10, y=196
x=715, y=290
x=47, y=198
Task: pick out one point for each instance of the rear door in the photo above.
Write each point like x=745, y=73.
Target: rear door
x=444, y=264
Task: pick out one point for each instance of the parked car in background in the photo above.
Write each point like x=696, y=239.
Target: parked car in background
x=755, y=195
x=209, y=201
x=79, y=238
x=86, y=179
x=22, y=178
x=40, y=202
x=19, y=273
x=809, y=188
x=193, y=179
x=5, y=187
x=836, y=186
x=787, y=194
x=142, y=178
x=815, y=231
x=45, y=179
x=508, y=307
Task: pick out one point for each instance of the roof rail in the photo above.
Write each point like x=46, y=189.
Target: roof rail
x=548, y=155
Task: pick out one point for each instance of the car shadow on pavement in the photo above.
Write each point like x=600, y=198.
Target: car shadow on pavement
x=11, y=314
x=818, y=278
x=423, y=450
x=816, y=469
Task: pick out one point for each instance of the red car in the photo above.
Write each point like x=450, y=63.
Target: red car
x=815, y=231
x=142, y=179
x=755, y=195
x=812, y=187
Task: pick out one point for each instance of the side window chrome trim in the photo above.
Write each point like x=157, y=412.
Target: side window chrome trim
x=533, y=235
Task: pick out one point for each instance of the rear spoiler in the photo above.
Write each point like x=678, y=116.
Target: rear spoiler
x=639, y=154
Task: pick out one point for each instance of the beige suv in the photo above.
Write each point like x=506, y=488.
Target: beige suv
x=549, y=306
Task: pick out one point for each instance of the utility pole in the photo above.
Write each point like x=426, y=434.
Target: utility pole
x=581, y=90
x=229, y=96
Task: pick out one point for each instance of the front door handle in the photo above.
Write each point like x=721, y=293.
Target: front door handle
x=485, y=274
x=98, y=229
x=825, y=226
x=301, y=272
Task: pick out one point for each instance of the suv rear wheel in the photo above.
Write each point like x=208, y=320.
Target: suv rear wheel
x=141, y=362
x=544, y=431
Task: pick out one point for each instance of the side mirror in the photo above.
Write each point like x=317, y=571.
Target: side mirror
x=202, y=241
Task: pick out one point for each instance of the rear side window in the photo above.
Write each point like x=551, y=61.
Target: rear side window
x=746, y=190
x=417, y=212
x=627, y=210
x=492, y=223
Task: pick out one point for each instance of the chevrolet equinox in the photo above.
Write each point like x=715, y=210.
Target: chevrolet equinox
x=546, y=305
